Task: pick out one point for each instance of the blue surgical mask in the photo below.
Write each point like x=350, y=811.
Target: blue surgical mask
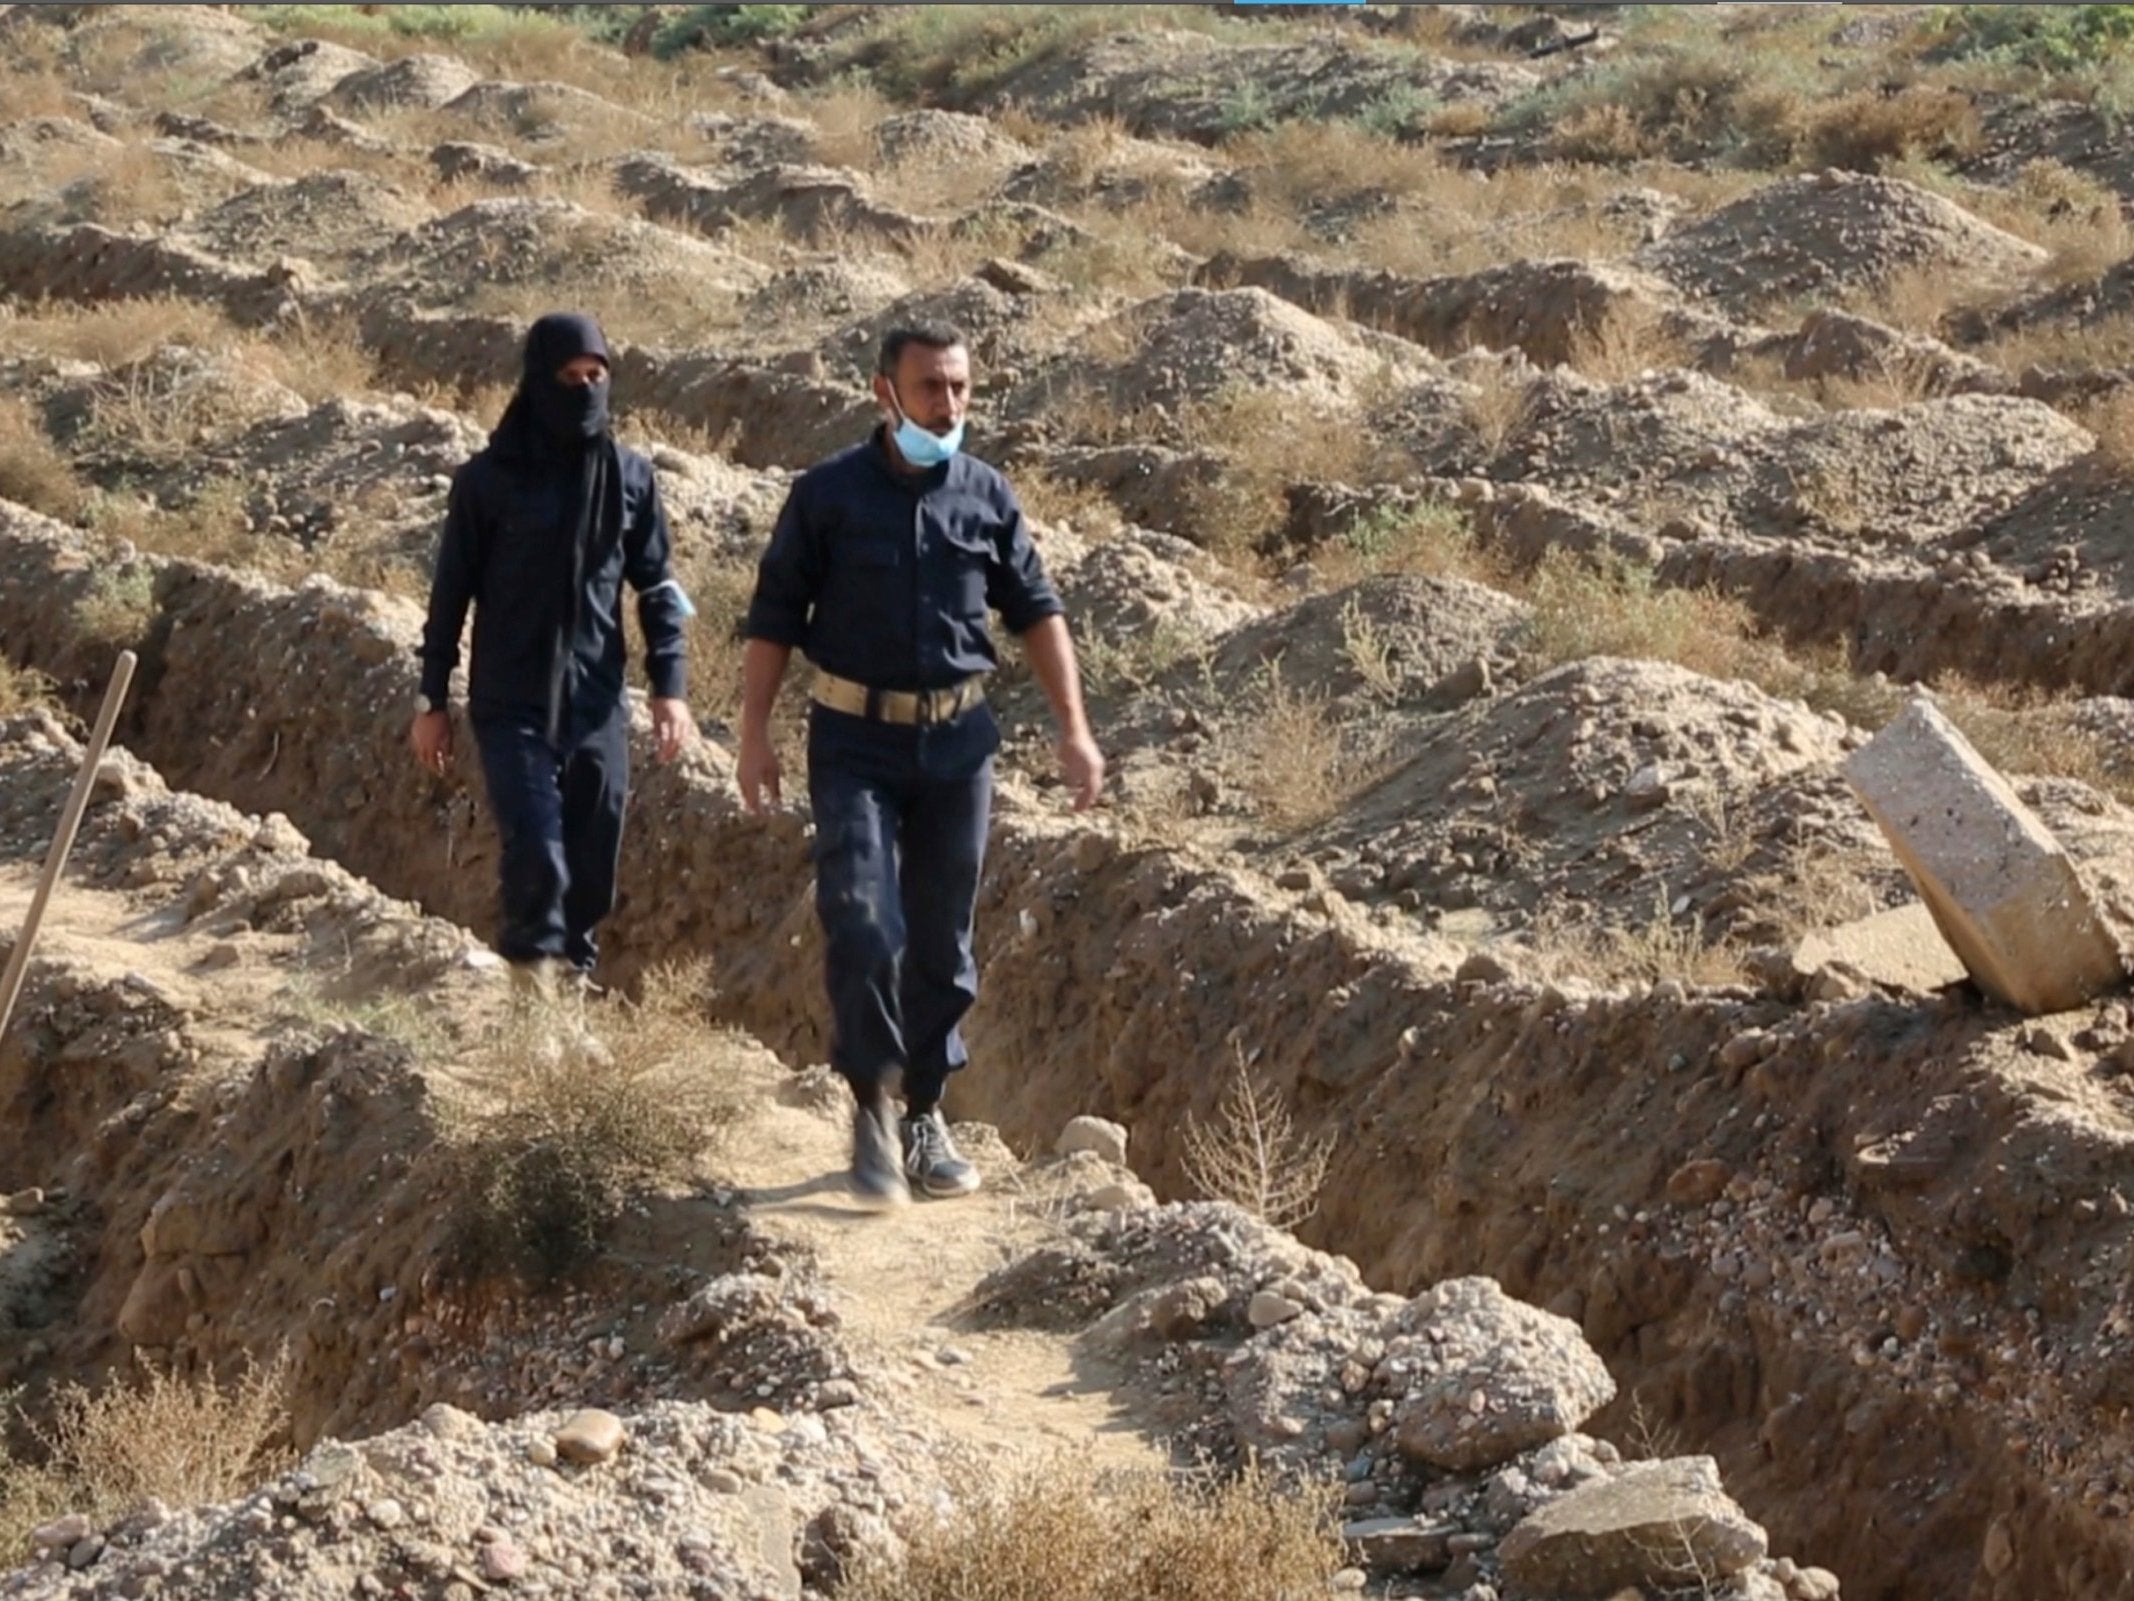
x=921, y=446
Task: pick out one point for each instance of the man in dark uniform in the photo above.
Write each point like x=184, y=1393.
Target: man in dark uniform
x=543, y=526
x=882, y=566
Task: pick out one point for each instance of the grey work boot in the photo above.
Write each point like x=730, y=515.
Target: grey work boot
x=931, y=1160
x=877, y=1166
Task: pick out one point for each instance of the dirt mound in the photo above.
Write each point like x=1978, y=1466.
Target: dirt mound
x=813, y=203
x=796, y=298
x=300, y=74
x=1450, y=1419
x=329, y=216
x=696, y=1503
x=539, y=114
x=944, y=139
x=1859, y=350
x=1907, y=477
x=1553, y=311
x=749, y=143
x=424, y=80
x=1172, y=82
x=203, y=43
x=1009, y=330
x=1198, y=344
x=1381, y=644
x=2072, y=534
x=1829, y=234
x=1675, y=430
x=1139, y=583
x=1579, y=792
x=1110, y=168
x=472, y=254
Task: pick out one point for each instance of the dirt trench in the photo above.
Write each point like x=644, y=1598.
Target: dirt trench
x=1528, y=1133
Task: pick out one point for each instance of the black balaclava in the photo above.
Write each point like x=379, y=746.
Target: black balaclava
x=561, y=415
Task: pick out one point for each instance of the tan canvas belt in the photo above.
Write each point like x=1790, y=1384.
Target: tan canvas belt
x=897, y=705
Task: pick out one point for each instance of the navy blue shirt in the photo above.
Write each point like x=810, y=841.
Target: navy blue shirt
x=507, y=550
x=885, y=576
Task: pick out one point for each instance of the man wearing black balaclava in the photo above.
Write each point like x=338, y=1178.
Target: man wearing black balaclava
x=542, y=528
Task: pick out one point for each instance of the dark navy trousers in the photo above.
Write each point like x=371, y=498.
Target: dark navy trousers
x=901, y=815
x=559, y=813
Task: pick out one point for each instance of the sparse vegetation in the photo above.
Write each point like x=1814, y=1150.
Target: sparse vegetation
x=1252, y=1154
x=1060, y=1530
x=570, y=1134
x=181, y=1441
x=21, y=688
x=33, y=471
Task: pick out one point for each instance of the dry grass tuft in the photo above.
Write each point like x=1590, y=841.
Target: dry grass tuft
x=569, y=1138
x=33, y=472
x=1662, y=946
x=1061, y=1530
x=1870, y=132
x=184, y=1442
x=2111, y=419
x=1631, y=338
x=1296, y=760
x=1583, y=609
x=1253, y=1156
x=21, y=688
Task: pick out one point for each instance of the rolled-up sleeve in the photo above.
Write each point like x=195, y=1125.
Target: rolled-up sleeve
x=1018, y=586
x=788, y=575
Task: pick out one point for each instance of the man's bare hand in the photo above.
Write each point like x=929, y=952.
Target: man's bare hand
x=1082, y=765
x=430, y=738
x=672, y=727
x=757, y=768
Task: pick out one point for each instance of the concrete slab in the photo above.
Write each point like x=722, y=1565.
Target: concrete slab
x=2000, y=888
x=1901, y=948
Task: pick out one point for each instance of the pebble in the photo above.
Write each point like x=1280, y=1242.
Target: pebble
x=590, y=1436
x=1269, y=1309
x=24, y=1203
x=542, y=1453
x=502, y=1560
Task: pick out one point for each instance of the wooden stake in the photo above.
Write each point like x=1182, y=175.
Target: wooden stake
x=18, y=962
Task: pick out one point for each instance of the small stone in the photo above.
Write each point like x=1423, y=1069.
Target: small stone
x=1103, y=1138
x=84, y=1553
x=1698, y=1183
x=542, y=1453
x=590, y=1436
x=1816, y=1584
x=838, y=1393
x=1269, y=1309
x=24, y=1203
x=502, y=1560
x=386, y=1514
x=1121, y=1197
x=61, y=1532
x=723, y=1481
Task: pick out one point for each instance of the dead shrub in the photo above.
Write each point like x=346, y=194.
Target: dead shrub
x=21, y=688
x=118, y=333
x=1295, y=758
x=2111, y=419
x=1496, y=406
x=1585, y=607
x=1605, y=133
x=184, y=1442
x=1432, y=539
x=1631, y=338
x=1252, y=1154
x=1867, y=131
x=33, y=472
x=1058, y=1529
x=569, y=1138
x=1659, y=947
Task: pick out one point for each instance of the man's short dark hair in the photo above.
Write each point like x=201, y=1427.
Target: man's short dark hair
x=933, y=335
